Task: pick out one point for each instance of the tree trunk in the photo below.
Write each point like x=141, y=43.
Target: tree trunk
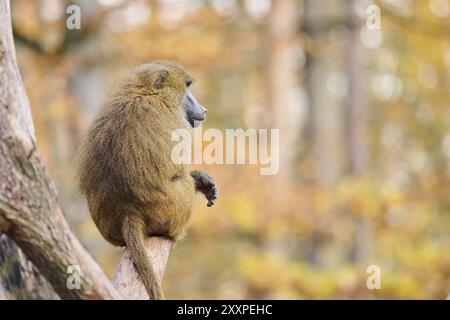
x=29, y=210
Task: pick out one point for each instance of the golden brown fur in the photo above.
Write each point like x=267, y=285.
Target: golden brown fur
x=133, y=188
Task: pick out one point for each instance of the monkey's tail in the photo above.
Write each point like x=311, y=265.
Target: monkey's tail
x=134, y=235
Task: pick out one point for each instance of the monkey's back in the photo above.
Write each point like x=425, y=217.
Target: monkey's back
x=125, y=169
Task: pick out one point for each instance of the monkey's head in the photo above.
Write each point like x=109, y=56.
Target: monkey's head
x=170, y=82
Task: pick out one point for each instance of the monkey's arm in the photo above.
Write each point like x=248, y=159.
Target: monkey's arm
x=206, y=185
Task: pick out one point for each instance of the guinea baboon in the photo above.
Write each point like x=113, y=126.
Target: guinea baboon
x=133, y=188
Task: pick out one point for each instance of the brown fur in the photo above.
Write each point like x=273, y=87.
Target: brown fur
x=133, y=188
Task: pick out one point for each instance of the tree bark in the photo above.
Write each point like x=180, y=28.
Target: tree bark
x=2, y=293
x=29, y=210
x=19, y=278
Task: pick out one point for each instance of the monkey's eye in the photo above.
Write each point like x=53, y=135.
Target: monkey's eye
x=188, y=83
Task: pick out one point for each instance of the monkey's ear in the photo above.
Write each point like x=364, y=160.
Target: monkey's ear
x=162, y=77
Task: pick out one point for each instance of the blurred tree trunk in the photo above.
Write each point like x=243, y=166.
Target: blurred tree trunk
x=281, y=79
x=326, y=111
x=357, y=126
x=326, y=88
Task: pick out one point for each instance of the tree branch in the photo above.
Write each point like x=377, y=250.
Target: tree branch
x=127, y=280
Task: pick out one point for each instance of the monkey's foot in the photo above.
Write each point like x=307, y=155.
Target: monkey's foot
x=206, y=185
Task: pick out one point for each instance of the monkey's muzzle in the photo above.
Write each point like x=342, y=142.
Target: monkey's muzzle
x=195, y=112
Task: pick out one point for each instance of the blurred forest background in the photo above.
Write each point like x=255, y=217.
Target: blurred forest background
x=365, y=135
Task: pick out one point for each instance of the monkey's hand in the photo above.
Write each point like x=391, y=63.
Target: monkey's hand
x=206, y=185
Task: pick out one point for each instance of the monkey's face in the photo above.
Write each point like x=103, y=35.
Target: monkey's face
x=174, y=76
x=172, y=84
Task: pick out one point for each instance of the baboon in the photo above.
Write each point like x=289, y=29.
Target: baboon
x=133, y=188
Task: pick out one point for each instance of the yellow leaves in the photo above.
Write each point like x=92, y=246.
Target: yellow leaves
x=243, y=214
x=279, y=228
x=401, y=286
x=264, y=271
x=391, y=195
x=420, y=256
x=358, y=196
x=422, y=215
x=270, y=272
x=412, y=266
x=323, y=201
x=313, y=283
x=409, y=271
